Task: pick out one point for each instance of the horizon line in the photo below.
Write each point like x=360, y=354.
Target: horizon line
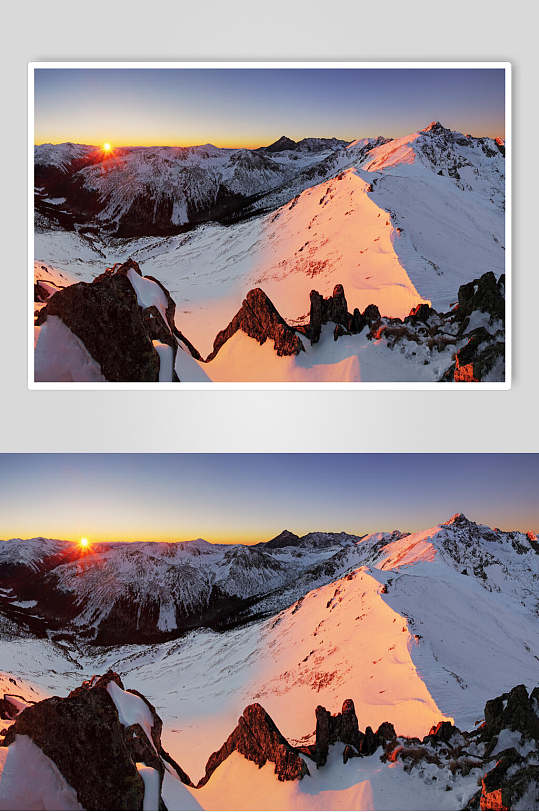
x=258, y=146
x=359, y=535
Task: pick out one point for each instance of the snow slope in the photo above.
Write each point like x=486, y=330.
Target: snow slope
x=414, y=628
x=404, y=222
x=364, y=783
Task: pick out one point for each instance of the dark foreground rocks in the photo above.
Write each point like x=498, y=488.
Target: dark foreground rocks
x=98, y=755
x=120, y=329
x=258, y=739
x=471, y=335
x=133, y=339
x=259, y=319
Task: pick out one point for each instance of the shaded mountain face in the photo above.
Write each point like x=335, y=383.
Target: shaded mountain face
x=134, y=592
x=136, y=191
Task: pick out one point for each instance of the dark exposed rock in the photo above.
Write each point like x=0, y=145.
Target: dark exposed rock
x=421, y=312
x=284, y=539
x=475, y=360
x=371, y=314
x=443, y=732
x=386, y=731
x=259, y=318
x=282, y=143
x=335, y=309
x=515, y=711
x=258, y=739
x=10, y=709
x=115, y=329
x=485, y=294
x=339, y=331
x=82, y=735
x=341, y=727
x=369, y=743
x=97, y=755
x=348, y=753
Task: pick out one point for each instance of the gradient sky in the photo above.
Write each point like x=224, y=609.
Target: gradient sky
x=253, y=107
x=252, y=497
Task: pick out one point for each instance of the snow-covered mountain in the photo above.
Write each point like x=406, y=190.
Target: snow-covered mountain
x=397, y=222
x=416, y=628
x=134, y=191
x=131, y=592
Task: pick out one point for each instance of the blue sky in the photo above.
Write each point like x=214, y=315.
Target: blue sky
x=252, y=107
x=252, y=497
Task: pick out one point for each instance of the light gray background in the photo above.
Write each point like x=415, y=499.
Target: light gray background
x=269, y=420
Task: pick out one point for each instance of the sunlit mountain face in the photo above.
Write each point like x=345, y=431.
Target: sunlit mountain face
x=270, y=225
x=357, y=665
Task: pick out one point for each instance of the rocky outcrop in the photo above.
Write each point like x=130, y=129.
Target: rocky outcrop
x=258, y=739
x=115, y=328
x=13, y=704
x=97, y=754
x=343, y=727
x=335, y=309
x=485, y=294
x=259, y=319
x=508, y=776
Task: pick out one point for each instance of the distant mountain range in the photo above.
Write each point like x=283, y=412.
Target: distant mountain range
x=394, y=223
x=143, y=591
x=352, y=670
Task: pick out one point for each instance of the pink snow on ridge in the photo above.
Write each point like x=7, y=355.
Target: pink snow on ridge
x=330, y=233
x=398, y=151
x=340, y=641
x=409, y=550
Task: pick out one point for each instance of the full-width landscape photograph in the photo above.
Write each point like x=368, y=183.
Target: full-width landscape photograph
x=269, y=631
x=269, y=225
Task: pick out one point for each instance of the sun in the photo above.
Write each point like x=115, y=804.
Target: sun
x=107, y=147
x=84, y=543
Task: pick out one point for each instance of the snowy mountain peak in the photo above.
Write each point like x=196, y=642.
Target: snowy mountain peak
x=458, y=519
x=435, y=126
x=281, y=144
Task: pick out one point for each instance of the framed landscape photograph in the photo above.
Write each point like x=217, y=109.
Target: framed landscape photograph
x=349, y=641
x=321, y=225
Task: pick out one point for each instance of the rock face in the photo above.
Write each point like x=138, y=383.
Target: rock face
x=259, y=319
x=508, y=776
x=116, y=329
x=335, y=309
x=343, y=727
x=258, y=739
x=120, y=321
x=97, y=754
x=484, y=350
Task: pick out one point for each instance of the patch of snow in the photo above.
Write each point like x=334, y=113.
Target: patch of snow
x=166, y=358
x=150, y=776
x=31, y=780
x=148, y=293
x=131, y=709
x=60, y=355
